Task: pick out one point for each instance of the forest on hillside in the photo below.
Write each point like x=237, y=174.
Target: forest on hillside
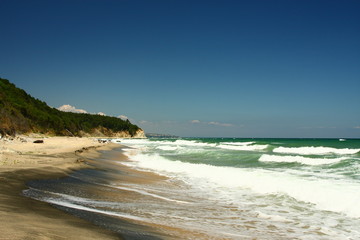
x=21, y=113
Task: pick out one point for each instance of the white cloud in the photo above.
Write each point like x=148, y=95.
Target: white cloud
x=195, y=121
x=213, y=123
x=69, y=108
x=357, y=127
x=123, y=117
x=143, y=122
x=220, y=124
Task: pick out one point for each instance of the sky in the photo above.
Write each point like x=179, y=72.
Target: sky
x=192, y=68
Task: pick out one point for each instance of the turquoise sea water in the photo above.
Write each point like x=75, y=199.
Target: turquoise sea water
x=233, y=188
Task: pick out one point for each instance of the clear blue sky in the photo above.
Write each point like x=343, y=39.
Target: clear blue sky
x=238, y=68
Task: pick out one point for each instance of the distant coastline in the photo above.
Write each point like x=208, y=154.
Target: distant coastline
x=159, y=135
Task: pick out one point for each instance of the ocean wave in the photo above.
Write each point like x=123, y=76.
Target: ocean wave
x=325, y=194
x=315, y=150
x=193, y=143
x=244, y=147
x=237, y=143
x=168, y=148
x=299, y=159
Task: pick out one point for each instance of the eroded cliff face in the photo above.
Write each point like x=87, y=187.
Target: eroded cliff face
x=104, y=132
x=139, y=134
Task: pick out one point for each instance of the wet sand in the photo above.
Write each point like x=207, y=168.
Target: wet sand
x=20, y=162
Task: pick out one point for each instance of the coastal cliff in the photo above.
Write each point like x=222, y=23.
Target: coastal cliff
x=103, y=132
x=21, y=113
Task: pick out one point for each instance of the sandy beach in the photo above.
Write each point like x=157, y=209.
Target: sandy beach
x=22, y=160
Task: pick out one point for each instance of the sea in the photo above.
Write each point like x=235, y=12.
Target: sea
x=217, y=188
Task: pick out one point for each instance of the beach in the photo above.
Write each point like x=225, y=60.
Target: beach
x=21, y=160
x=70, y=188
x=24, y=164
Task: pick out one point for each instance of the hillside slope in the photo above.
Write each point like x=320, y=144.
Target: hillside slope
x=20, y=113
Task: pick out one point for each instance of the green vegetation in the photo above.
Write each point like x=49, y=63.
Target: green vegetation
x=21, y=113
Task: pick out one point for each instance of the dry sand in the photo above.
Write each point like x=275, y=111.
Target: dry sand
x=22, y=160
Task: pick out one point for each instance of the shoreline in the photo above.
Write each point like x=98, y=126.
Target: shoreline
x=57, y=157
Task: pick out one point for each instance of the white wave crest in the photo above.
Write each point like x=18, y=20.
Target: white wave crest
x=315, y=150
x=299, y=159
x=193, y=143
x=237, y=143
x=243, y=148
x=168, y=148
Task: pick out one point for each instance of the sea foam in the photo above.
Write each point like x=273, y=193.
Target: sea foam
x=168, y=148
x=143, y=192
x=89, y=209
x=299, y=159
x=325, y=194
x=243, y=147
x=315, y=150
x=237, y=143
